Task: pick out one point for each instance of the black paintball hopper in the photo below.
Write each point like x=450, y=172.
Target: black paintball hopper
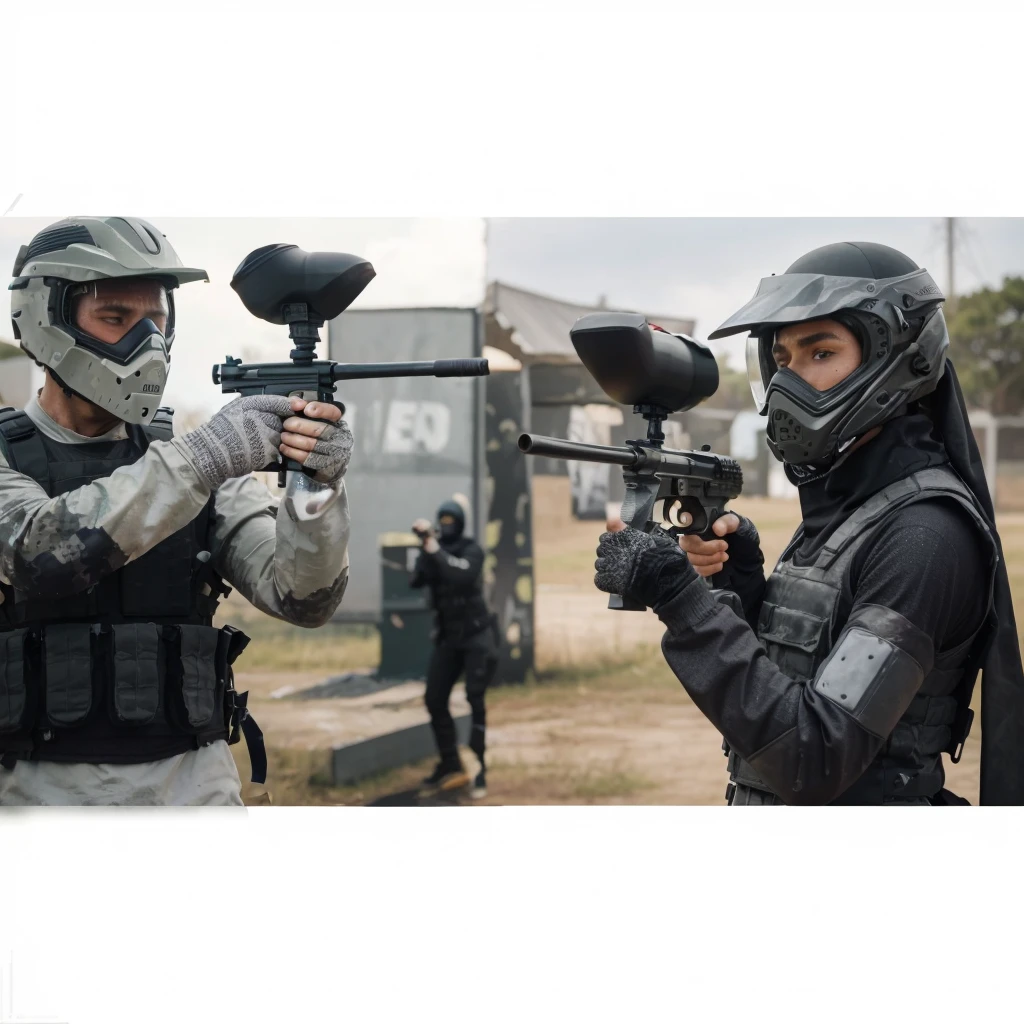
x=275, y=276
x=640, y=366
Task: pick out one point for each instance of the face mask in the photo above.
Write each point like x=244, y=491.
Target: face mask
x=450, y=531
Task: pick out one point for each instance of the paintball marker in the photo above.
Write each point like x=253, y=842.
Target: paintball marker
x=639, y=364
x=282, y=284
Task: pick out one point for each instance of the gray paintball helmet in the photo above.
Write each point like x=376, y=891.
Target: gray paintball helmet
x=889, y=303
x=127, y=378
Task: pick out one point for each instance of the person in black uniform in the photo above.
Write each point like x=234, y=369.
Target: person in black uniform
x=451, y=565
x=854, y=668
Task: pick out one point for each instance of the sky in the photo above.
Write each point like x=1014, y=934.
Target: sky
x=708, y=267
x=703, y=268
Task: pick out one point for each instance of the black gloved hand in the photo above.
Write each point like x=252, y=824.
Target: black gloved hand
x=744, y=572
x=648, y=568
x=745, y=553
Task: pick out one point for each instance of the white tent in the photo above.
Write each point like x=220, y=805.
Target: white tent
x=534, y=328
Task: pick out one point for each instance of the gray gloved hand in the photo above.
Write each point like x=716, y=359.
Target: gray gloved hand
x=241, y=438
x=331, y=454
x=646, y=567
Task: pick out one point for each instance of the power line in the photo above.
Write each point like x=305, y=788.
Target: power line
x=970, y=244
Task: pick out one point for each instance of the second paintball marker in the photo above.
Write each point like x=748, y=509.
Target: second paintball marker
x=282, y=284
x=657, y=373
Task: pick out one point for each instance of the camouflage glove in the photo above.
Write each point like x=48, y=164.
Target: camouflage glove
x=647, y=567
x=242, y=438
x=331, y=454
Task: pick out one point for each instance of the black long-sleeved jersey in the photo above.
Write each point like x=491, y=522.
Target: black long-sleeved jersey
x=929, y=566
x=454, y=575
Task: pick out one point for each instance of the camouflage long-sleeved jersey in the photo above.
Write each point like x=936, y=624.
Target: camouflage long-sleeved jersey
x=293, y=569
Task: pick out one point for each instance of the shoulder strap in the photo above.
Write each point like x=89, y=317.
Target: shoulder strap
x=23, y=447
x=161, y=428
x=933, y=482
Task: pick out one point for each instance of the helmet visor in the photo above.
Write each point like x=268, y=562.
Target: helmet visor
x=790, y=298
x=760, y=367
x=115, y=318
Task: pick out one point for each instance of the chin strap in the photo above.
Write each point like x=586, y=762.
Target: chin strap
x=68, y=392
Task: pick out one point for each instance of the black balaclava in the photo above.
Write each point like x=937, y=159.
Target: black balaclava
x=905, y=445
x=450, y=532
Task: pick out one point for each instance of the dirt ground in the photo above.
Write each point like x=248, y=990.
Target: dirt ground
x=603, y=722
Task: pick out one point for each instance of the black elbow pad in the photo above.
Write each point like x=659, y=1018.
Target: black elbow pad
x=876, y=668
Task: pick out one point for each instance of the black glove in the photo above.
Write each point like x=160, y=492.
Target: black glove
x=744, y=572
x=649, y=568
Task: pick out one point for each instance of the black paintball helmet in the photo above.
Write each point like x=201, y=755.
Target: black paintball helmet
x=892, y=307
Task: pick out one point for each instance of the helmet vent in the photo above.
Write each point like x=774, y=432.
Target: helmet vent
x=136, y=234
x=55, y=239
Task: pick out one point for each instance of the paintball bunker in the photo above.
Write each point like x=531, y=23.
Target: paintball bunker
x=421, y=441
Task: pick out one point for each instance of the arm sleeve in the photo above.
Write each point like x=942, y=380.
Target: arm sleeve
x=423, y=572
x=810, y=741
x=293, y=570
x=461, y=570
x=52, y=547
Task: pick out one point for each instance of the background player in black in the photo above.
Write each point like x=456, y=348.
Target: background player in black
x=451, y=564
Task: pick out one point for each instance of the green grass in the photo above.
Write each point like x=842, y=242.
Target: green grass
x=277, y=646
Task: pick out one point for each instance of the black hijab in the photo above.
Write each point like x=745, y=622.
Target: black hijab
x=938, y=432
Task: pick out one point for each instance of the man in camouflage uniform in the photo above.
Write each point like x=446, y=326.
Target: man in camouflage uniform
x=117, y=538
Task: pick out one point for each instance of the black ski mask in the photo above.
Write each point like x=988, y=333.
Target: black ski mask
x=451, y=521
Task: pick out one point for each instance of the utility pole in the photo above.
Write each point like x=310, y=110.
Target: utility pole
x=950, y=250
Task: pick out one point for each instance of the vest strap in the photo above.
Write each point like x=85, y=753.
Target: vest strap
x=837, y=555
x=23, y=447
x=937, y=481
x=161, y=427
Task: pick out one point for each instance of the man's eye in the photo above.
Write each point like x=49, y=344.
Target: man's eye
x=822, y=354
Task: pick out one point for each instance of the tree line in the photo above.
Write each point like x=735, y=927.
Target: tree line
x=986, y=331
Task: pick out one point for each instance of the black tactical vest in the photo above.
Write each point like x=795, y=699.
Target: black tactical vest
x=798, y=626
x=132, y=669
x=460, y=609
